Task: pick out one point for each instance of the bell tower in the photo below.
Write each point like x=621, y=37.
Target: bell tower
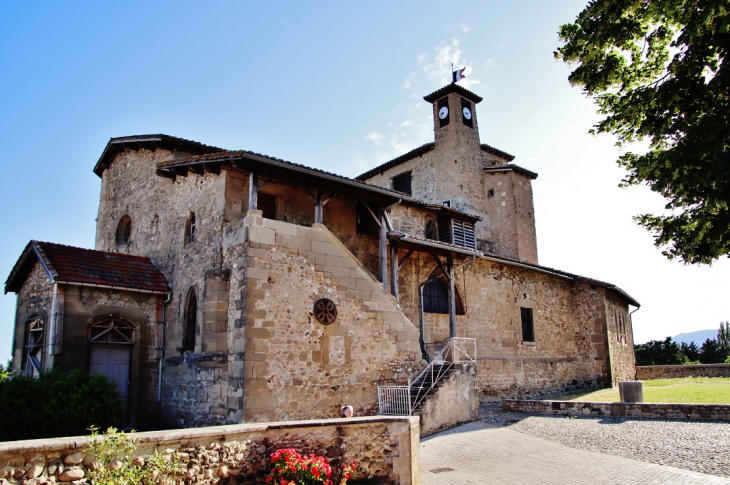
x=454, y=115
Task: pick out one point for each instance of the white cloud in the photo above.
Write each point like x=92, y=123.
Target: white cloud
x=285, y=22
x=376, y=138
x=464, y=28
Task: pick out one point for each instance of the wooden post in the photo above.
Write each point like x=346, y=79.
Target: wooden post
x=452, y=296
x=318, y=208
x=394, y=270
x=383, y=252
x=253, y=192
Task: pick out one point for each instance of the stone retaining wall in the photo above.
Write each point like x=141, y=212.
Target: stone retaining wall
x=387, y=449
x=649, y=372
x=718, y=412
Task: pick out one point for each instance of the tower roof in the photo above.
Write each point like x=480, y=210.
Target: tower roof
x=453, y=88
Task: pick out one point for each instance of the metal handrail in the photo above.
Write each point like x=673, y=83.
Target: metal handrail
x=456, y=350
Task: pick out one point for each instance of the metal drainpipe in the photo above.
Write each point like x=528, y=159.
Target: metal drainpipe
x=165, y=302
x=420, y=309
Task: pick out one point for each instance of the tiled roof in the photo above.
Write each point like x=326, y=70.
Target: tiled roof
x=511, y=167
x=453, y=88
x=509, y=261
x=119, y=144
x=68, y=264
x=497, y=152
x=416, y=152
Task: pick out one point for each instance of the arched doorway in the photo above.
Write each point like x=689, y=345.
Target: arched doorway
x=111, y=338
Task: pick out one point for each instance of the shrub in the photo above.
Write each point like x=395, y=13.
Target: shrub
x=115, y=465
x=56, y=404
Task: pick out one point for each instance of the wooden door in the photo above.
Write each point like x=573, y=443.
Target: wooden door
x=112, y=361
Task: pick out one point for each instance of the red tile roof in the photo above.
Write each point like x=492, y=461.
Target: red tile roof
x=68, y=264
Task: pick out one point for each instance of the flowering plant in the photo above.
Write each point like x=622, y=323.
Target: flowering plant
x=290, y=468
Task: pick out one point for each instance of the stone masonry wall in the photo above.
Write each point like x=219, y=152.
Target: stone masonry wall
x=81, y=305
x=620, y=339
x=569, y=351
x=717, y=412
x=34, y=298
x=649, y=372
x=387, y=449
x=295, y=367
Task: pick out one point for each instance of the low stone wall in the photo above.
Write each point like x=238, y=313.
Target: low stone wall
x=649, y=372
x=387, y=449
x=718, y=412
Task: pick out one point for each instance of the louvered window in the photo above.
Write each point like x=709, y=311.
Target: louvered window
x=457, y=232
x=402, y=183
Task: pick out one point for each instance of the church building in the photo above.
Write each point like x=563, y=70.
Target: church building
x=231, y=286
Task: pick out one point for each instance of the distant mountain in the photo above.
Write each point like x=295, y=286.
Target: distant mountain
x=697, y=337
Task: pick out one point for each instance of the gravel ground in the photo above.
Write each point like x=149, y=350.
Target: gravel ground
x=700, y=446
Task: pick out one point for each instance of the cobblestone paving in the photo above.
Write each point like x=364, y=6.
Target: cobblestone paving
x=481, y=453
x=700, y=446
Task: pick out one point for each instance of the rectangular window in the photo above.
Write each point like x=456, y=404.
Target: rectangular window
x=457, y=232
x=402, y=183
x=528, y=329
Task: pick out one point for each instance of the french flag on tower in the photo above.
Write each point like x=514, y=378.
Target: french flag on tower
x=457, y=75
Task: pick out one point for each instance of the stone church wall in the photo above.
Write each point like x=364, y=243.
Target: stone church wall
x=620, y=340
x=297, y=368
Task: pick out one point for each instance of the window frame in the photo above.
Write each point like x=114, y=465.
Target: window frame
x=190, y=321
x=524, y=309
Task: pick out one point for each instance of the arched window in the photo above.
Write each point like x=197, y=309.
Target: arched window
x=190, y=320
x=436, y=295
x=35, y=341
x=190, y=229
x=124, y=232
x=111, y=329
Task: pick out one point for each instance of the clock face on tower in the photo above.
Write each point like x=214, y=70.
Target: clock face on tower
x=443, y=112
x=467, y=113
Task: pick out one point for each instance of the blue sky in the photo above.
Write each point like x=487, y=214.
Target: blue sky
x=333, y=85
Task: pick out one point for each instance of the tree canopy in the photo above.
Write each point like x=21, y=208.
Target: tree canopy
x=657, y=71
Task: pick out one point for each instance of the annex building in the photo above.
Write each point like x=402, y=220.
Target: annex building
x=230, y=286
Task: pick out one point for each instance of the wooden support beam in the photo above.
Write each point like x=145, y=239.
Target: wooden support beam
x=394, y=270
x=444, y=271
x=452, y=295
x=320, y=202
x=383, y=254
x=405, y=259
x=196, y=169
x=372, y=213
x=166, y=173
x=253, y=191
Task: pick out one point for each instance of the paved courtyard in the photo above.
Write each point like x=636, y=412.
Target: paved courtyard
x=480, y=453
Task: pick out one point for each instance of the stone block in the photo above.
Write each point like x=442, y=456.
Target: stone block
x=293, y=242
x=257, y=273
x=281, y=227
x=325, y=248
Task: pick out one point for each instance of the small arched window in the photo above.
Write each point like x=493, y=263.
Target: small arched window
x=436, y=295
x=35, y=341
x=124, y=232
x=190, y=229
x=190, y=321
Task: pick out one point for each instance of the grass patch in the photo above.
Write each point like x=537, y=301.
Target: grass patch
x=691, y=390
